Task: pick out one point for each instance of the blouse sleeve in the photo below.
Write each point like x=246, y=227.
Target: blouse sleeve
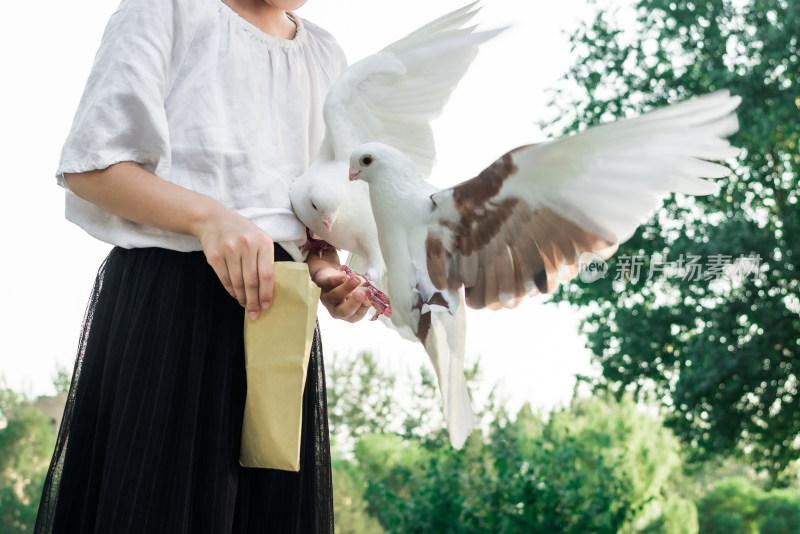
x=121, y=116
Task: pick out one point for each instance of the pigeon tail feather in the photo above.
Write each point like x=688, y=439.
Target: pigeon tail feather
x=445, y=345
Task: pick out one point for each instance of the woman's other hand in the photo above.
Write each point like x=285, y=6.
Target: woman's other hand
x=342, y=294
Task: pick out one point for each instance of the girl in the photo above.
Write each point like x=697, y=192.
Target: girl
x=196, y=116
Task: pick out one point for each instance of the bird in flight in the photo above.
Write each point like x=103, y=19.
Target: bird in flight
x=519, y=227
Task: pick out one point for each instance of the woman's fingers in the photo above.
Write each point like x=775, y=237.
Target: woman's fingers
x=360, y=311
x=339, y=293
x=350, y=307
x=347, y=301
x=330, y=279
x=250, y=275
x=266, y=276
x=234, y=265
x=257, y=274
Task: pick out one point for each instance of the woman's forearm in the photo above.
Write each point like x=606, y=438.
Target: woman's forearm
x=240, y=253
x=133, y=193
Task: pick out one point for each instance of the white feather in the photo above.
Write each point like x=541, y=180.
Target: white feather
x=445, y=346
x=615, y=175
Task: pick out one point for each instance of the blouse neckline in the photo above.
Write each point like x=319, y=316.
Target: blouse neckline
x=259, y=34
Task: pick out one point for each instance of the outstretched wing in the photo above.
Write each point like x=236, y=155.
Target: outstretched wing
x=521, y=226
x=392, y=96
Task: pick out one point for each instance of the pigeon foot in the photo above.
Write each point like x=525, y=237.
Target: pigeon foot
x=378, y=298
x=315, y=246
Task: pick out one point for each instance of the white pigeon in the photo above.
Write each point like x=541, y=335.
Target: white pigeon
x=391, y=97
x=522, y=224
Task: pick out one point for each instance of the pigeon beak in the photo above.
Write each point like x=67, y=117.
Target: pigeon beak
x=354, y=174
x=328, y=222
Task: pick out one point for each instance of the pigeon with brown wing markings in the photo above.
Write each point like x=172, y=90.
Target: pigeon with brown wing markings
x=521, y=225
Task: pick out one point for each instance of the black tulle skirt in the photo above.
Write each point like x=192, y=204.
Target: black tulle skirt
x=151, y=432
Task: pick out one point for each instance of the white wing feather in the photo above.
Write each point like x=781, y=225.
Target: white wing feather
x=616, y=174
x=392, y=96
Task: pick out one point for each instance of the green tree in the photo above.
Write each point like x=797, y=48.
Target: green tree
x=62, y=380
x=723, y=356
x=360, y=396
x=731, y=506
x=26, y=445
x=364, y=398
x=780, y=512
x=603, y=467
x=738, y=506
x=349, y=505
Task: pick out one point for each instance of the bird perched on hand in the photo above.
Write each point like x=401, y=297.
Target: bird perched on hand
x=521, y=225
x=391, y=97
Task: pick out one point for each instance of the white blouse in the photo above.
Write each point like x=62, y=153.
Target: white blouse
x=206, y=100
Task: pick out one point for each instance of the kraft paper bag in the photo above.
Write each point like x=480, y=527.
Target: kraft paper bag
x=277, y=349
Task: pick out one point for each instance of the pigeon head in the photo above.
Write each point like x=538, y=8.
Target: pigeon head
x=316, y=198
x=374, y=162
x=324, y=202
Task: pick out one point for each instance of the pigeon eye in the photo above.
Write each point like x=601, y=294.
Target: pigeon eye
x=366, y=161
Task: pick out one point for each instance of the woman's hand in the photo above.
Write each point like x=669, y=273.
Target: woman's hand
x=242, y=256
x=341, y=293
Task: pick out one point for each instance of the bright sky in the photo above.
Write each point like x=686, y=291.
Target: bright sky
x=48, y=267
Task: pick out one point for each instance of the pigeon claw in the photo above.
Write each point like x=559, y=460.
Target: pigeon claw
x=316, y=246
x=379, y=299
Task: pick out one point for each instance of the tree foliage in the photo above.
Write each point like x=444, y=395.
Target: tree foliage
x=359, y=396
x=600, y=467
x=724, y=356
x=62, y=380
x=362, y=399
x=349, y=504
x=737, y=506
x=26, y=445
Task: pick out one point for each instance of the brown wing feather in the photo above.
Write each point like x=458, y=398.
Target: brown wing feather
x=436, y=262
x=475, y=294
x=515, y=263
x=504, y=270
x=502, y=249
